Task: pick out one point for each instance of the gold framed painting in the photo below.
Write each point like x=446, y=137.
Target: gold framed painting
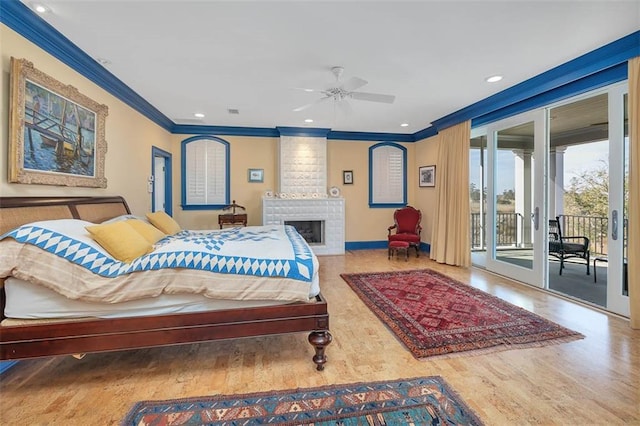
x=56, y=134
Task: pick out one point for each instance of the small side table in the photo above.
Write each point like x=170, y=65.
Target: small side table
x=232, y=219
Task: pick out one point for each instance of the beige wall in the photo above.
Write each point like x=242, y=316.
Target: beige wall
x=129, y=134
x=363, y=223
x=426, y=155
x=246, y=153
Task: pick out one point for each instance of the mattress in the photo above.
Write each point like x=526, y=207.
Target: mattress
x=25, y=300
x=252, y=263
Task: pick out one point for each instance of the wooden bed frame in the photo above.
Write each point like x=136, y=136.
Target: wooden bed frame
x=98, y=335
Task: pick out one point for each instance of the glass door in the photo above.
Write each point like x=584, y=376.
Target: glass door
x=516, y=222
x=587, y=192
x=616, y=271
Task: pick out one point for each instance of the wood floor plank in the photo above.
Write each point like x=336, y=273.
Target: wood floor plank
x=591, y=381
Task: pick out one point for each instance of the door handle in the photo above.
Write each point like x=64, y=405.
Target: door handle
x=614, y=225
x=536, y=218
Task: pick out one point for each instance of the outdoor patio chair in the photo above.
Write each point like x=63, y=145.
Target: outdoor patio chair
x=564, y=247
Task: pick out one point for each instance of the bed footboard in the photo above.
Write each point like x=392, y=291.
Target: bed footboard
x=101, y=335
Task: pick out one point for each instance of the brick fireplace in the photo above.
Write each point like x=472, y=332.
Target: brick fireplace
x=302, y=193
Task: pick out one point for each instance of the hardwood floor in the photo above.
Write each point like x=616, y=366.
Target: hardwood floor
x=591, y=381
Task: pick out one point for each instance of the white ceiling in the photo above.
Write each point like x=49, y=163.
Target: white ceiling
x=208, y=56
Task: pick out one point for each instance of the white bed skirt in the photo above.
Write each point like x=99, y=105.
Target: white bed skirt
x=25, y=300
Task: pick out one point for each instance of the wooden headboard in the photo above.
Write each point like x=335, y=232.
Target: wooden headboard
x=16, y=211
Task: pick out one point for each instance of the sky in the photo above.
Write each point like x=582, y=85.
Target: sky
x=577, y=159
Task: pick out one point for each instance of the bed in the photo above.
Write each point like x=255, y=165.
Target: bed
x=32, y=338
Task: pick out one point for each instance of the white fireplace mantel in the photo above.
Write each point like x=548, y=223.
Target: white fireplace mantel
x=275, y=211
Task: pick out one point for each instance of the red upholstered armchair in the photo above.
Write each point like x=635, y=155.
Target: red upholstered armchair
x=407, y=227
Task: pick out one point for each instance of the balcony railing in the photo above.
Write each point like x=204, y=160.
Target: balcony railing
x=510, y=232
x=507, y=234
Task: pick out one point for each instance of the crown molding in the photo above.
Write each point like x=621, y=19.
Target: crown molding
x=575, y=75
x=28, y=24
x=607, y=56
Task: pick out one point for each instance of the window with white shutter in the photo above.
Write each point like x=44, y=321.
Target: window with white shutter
x=205, y=173
x=387, y=175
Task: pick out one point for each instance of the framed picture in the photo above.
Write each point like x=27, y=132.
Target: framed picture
x=56, y=134
x=256, y=175
x=347, y=177
x=427, y=176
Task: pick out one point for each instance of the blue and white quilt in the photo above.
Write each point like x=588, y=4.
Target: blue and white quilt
x=265, y=251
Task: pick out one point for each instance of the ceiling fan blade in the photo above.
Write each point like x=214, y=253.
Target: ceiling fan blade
x=303, y=107
x=353, y=83
x=373, y=97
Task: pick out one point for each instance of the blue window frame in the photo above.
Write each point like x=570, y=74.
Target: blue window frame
x=205, y=173
x=387, y=175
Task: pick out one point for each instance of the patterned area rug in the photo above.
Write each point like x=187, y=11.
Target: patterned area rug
x=435, y=315
x=420, y=401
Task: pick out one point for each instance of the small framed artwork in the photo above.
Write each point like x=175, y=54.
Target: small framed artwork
x=256, y=175
x=427, y=176
x=347, y=177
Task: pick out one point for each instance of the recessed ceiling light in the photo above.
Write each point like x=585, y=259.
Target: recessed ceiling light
x=40, y=8
x=493, y=78
x=198, y=115
x=404, y=125
x=308, y=120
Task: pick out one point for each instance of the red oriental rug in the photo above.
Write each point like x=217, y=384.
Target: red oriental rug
x=435, y=315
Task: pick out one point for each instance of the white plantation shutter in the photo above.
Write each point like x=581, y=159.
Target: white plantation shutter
x=205, y=172
x=387, y=175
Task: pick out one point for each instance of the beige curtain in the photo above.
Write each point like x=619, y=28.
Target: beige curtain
x=450, y=240
x=633, y=249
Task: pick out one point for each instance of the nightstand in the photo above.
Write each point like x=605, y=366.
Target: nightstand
x=232, y=219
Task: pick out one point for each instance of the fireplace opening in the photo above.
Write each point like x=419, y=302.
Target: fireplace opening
x=311, y=230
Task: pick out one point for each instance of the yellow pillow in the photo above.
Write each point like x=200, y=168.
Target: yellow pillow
x=148, y=231
x=121, y=240
x=164, y=222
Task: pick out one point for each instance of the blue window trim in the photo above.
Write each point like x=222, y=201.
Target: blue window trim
x=404, y=172
x=168, y=173
x=183, y=167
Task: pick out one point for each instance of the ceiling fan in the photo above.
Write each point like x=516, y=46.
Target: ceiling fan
x=342, y=91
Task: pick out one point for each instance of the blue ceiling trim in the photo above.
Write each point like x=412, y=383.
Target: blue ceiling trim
x=604, y=57
x=303, y=131
x=25, y=22
x=189, y=129
x=425, y=133
x=604, y=78
x=367, y=136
